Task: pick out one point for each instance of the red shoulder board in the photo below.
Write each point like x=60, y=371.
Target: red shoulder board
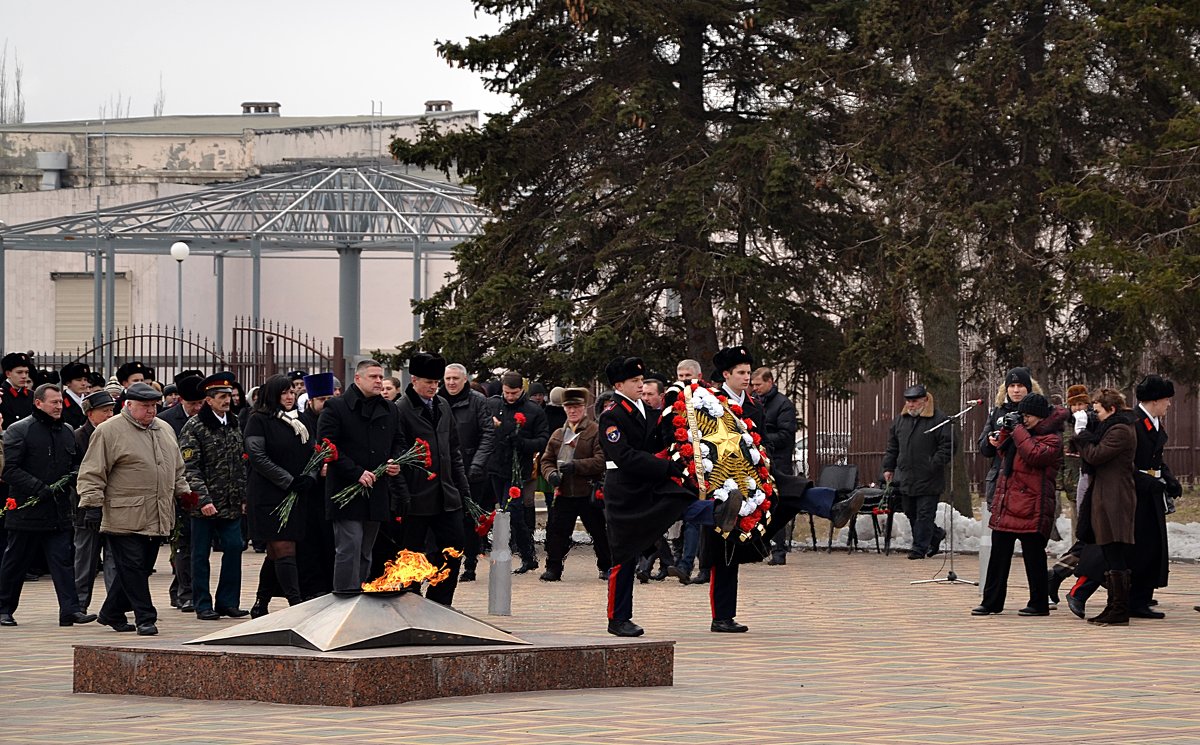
x=628, y=407
x=610, y=406
x=1149, y=425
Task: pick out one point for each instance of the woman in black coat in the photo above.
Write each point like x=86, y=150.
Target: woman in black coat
x=278, y=445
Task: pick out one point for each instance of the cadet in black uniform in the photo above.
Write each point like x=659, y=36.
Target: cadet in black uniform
x=1153, y=481
x=16, y=401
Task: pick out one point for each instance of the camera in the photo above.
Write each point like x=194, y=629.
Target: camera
x=1010, y=421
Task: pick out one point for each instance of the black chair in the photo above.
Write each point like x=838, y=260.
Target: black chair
x=843, y=479
x=876, y=502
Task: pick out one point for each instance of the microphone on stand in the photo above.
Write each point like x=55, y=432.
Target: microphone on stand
x=974, y=402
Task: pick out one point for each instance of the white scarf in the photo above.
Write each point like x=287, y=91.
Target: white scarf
x=293, y=419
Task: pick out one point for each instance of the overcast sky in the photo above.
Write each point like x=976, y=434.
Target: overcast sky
x=315, y=57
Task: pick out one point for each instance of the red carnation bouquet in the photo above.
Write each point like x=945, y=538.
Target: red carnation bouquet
x=61, y=486
x=325, y=452
x=415, y=457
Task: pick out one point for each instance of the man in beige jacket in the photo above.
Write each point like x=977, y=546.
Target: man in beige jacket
x=134, y=471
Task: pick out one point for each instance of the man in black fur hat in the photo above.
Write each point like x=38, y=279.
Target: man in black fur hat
x=1156, y=489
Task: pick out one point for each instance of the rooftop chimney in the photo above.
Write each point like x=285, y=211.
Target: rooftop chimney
x=436, y=106
x=268, y=108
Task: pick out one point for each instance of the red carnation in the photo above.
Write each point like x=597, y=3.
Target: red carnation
x=514, y=492
x=747, y=524
x=692, y=467
x=600, y=494
x=722, y=397
x=695, y=386
x=481, y=530
x=679, y=421
x=749, y=423
x=756, y=437
x=764, y=473
x=661, y=454
x=677, y=480
x=679, y=406
x=245, y=456
x=10, y=504
x=519, y=418
x=768, y=489
x=766, y=505
x=431, y=476
x=686, y=450
x=735, y=409
x=681, y=434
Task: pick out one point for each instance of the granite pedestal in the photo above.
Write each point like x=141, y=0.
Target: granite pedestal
x=369, y=677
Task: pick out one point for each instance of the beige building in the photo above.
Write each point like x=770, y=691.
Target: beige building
x=48, y=295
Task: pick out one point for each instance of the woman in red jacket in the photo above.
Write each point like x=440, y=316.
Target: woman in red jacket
x=1030, y=443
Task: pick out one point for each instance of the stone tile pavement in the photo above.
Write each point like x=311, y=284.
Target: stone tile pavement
x=842, y=649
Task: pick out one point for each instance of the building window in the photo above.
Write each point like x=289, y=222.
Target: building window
x=74, y=310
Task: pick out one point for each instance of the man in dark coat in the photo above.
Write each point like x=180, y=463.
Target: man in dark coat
x=521, y=433
x=74, y=378
x=1155, y=486
x=98, y=407
x=432, y=499
x=778, y=428
x=190, y=387
x=640, y=500
x=476, y=437
x=365, y=427
x=212, y=448
x=916, y=459
x=39, y=451
x=315, y=555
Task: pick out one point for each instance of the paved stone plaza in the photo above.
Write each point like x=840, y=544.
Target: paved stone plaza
x=842, y=649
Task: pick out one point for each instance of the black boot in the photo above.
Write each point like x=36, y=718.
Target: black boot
x=288, y=574
x=1054, y=579
x=1117, y=609
x=259, y=609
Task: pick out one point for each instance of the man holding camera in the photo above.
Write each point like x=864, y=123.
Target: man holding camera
x=919, y=457
x=1018, y=383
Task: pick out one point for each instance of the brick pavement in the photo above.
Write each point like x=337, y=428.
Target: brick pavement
x=842, y=649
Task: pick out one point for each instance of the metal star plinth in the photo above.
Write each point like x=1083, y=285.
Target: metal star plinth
x=363, y=621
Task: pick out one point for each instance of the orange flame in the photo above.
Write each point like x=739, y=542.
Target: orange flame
x=410, y=568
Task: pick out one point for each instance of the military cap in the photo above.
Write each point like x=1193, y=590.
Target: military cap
x=13, y=360
x=128, y=369
x=428, y=366
x=74, y=371
x=915, y=391
x=624, y=368
x=294, y=375
x=97, y=400
x=221, y=382
x=142, y=392
x=190, y=388
x=729, y=358
x=96, y=380
x=187, y=374
x=41, y=376
x=319, y=384
x=1154, y=388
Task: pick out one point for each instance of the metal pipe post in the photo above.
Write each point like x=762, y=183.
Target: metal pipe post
x=110, y=302
x=97, y=296
x=219, y=262
x=256, y=279
x=417, y=271
x=350, y=301
x=500, y=573
x=3, y=300
x=179, y=356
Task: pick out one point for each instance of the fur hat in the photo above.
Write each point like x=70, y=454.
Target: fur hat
x=428, y=366
x=190, y=388
x=1155, y=388
x=74, y=371
x=13, y=360
x=624, y=368
x=575, y=397
x=131, y=368
x=1078, y=394
x=1035, y=404
x=729, y=358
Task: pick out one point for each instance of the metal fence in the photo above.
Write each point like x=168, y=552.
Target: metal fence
x=258, y=350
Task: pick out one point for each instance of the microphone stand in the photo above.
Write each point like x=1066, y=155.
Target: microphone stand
x=951, y=577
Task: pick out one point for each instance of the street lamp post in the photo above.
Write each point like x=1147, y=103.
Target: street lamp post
x=179, y=252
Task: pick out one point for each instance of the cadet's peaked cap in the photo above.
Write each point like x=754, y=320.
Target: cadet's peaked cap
x=915, y=391
x=730, y=357
x=74, y=371
x=221, y=382
x=624, y=368
x=319, y=384
x=294, y=375
x=574, y=396
x=97, y=400
x=191, y=388
x=428, y=366
x=128, y=369
x=1154, y=388
x=142, y=392
x=13, y=360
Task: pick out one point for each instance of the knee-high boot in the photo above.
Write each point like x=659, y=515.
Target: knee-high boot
x=288, y=574
x=1116, y=612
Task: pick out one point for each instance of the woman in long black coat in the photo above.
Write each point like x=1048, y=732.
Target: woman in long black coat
x=278, y=445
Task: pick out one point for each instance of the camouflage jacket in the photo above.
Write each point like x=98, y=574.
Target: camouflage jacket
x=212, y=454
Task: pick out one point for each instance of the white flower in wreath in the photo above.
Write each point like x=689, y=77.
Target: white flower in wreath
x=705, y=401
x=708, y=465
x=746, y=509
x=729, y=485
x=746, y=438
x=751, y=487
x=755, y=458
x=705, y=450
x=721, y=495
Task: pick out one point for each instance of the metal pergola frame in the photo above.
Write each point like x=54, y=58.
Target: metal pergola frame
x=347, y=209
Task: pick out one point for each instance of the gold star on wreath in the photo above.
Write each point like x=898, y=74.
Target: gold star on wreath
x=727, y=442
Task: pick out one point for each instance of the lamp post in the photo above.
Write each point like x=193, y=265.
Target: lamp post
x=179, y=252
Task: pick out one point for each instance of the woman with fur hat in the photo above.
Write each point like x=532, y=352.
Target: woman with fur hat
x=1029, y=446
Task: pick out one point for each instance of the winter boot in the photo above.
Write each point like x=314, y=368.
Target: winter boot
x=1054, y=579
x=1118, y=599
x=288, y=574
